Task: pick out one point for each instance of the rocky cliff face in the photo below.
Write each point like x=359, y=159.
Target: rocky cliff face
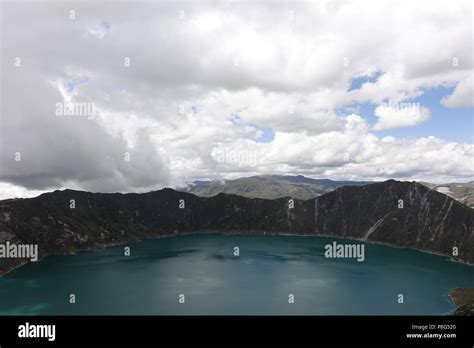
x=428, y=221
x=63, y=222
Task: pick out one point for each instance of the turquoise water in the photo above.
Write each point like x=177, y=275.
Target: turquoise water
x=204, y=269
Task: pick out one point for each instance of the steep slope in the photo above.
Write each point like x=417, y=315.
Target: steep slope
x=428, y=221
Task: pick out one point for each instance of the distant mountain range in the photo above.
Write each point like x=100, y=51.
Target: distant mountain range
x=300, y=187
x=63, y=222
x=462, y=192
x=269, y=187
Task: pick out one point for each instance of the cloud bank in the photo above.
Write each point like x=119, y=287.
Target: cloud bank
x=221, y=90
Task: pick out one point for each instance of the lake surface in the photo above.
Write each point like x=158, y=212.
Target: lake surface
x=213, y=281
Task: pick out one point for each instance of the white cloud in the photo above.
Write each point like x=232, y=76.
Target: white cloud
x=100, y=30
x=355, y=154
x=395, y=115
x=463, y=94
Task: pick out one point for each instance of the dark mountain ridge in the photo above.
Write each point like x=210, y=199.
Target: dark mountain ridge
x=429, y=220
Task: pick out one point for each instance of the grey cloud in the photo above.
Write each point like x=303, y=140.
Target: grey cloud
x=65, y=150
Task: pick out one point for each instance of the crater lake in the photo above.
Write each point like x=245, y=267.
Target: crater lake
x=200, y=274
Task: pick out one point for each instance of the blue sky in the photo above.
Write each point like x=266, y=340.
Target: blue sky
x=454, y=124
x=267, y=136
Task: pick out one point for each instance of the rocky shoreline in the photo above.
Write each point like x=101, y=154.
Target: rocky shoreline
x=463, y=298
